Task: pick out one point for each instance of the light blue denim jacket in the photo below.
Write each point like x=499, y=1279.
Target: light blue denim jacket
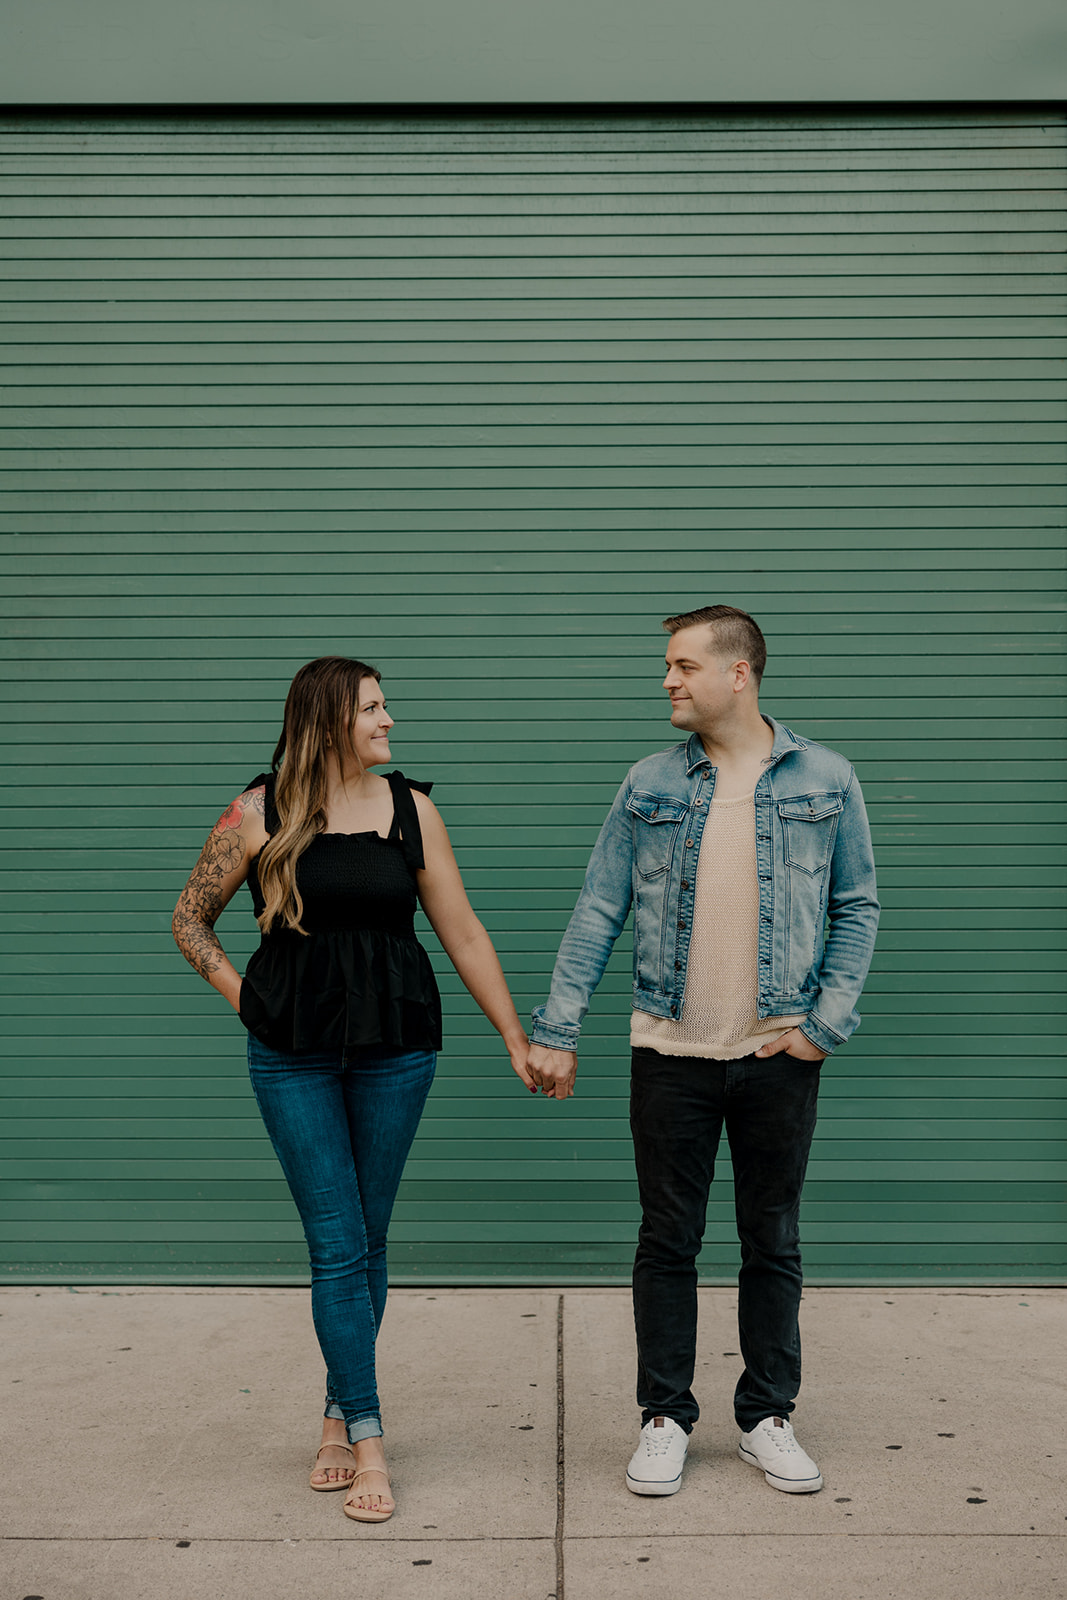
x=815, y=867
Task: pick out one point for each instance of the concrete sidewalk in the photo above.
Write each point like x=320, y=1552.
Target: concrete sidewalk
x=158, y=1441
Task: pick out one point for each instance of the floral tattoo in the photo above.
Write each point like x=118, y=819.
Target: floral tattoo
x=202, y=899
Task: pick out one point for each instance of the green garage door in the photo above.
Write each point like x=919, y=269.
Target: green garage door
x=482, y=400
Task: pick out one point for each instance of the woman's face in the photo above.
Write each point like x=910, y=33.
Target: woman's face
x=371, y=724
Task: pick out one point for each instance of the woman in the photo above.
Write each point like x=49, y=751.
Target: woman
x=342, y=1010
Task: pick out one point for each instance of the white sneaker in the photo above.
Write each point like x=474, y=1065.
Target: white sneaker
x=772, y=1446
x=656, y=1465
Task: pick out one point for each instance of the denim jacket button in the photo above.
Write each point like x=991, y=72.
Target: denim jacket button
x=689, y=844
x=681, y=922
x=677, y=966
x=685, y=883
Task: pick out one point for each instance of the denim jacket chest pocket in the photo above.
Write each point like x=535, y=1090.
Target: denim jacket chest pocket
x=657, y=822
x=809, y=825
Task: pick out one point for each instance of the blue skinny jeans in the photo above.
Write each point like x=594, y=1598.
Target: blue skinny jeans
x=342, y=1124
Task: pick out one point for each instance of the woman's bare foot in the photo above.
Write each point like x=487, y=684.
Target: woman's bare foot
x=335, y=1464
x=370, y=1498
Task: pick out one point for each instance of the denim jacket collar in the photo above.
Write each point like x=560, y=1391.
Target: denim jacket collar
x=785, y=740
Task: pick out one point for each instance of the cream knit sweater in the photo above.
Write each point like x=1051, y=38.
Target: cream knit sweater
x=719, y=1012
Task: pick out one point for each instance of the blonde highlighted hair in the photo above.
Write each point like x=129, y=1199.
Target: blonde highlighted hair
x=320, y=709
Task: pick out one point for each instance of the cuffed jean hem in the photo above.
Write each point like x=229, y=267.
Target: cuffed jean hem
x=365, y=1428
x=359, y=1428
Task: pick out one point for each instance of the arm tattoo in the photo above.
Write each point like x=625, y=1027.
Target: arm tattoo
x=201, y=901
x=233, y=816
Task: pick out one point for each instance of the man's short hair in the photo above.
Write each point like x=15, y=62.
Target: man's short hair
x=734, y=633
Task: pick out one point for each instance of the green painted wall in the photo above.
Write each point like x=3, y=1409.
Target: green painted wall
x=482, y=400
x=507, y=52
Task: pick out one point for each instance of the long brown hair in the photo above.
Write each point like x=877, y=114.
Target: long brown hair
x=319, y=712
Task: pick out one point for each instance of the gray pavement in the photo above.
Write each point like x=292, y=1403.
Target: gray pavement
x=157, y=1444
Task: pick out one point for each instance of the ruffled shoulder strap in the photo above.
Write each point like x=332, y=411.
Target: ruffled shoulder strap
x=405, y=825
x=265, y=780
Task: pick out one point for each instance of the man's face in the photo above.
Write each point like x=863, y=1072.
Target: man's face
x=701, y=685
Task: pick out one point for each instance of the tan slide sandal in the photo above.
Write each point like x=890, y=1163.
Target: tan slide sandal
x=338, y=1483
x=357, y=1513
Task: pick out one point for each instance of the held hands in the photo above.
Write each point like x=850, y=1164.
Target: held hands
x=551, y=1071
x=517, y=1050
x=794, y=1043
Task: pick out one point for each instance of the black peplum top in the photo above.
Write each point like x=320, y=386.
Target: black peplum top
x=358, y=977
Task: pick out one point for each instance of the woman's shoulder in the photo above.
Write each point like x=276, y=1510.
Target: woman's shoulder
x=250, y=802
x=411, y=794
x=418, y=785
x=414, y=810
x=257, y=799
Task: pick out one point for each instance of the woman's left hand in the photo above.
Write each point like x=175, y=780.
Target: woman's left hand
x=518, y=1051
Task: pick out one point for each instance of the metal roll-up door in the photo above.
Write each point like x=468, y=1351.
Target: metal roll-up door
x=481, y=399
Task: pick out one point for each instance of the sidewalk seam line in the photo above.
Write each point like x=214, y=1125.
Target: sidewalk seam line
x=560, y=1457
x=489, y=1538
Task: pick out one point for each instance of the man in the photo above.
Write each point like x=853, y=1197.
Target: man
x=747, y=857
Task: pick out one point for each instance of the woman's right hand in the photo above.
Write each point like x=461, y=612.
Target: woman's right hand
x=232, y=991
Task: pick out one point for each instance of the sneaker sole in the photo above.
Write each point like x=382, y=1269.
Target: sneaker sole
x=636, y=1486
x=787, y=1485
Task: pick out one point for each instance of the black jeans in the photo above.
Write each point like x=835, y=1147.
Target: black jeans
x=678, y=1105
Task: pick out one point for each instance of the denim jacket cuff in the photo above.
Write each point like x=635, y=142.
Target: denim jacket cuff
x=553, y=1035
x=822, y=1037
